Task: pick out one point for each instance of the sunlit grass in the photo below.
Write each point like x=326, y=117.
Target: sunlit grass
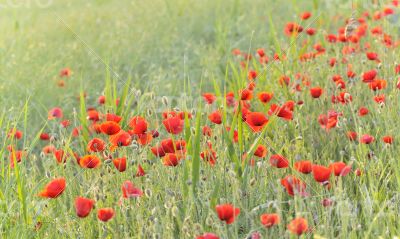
x=156, y=56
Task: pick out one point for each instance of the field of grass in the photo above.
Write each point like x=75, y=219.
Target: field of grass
x=224, y=104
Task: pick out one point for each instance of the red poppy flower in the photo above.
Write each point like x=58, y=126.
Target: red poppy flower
x=105, y=214
x=298, y=226
x=261, y=151
x=83, y=206
x=60, y=156
x=48, y=149
x=261, y=52
x=282, y=112
x=55, y=113
x=113, y=117
x=130, y=191
x=96, y=145
x=138, y=125
x=377, y=84
x=270, y=220
x=380, y=99
x=256, y=121
x=93, y=115
x=209, y=98
x=369, y=76
x=303, y=166
x=16, y=134
x=140, y=171
x=101, y=100
x=44, y=136
x=15, y=156
x=89, y=161
x=215, y=117
x=207, y=131
x=66, y=72
x=316, y=92
x=121, y=138
x=319, y=48
x=372, y=56
x=173, y=125
x=294, y=186
x=397, y=69
x=305, y=15
x=110, y=128
x=388, y=11
x=351, y=74
x=143, y=139
x=209, y=156
x=332, y=62
x=120, y=164
x=363, y=111
x=155, y=133
x=331, y=38
x=167, y=146
x=208, y=236
x=53, y=189
x=292, y=28
x=246, y=94
x=387, y=139
x=343, y=98
x=65, y=123
x=278, y=161
x=367, y=139
x=95, y=128
x=227, y=212
x=265, y=97
x=76, y=131
x=321, y=174
x=311, y=31
x=340, y=168
x=284, y=80
x=230, y=99
x=352, y=135
x=171, y=159
x=252, y=74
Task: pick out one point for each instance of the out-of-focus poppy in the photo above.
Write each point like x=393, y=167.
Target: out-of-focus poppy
x=227, y=212
x=54, y=188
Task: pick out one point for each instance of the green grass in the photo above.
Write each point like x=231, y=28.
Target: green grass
x=140, y=51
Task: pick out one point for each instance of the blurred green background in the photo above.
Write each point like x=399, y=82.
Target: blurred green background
x=160, y=43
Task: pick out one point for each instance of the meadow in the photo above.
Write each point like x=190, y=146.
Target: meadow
x=199, y=119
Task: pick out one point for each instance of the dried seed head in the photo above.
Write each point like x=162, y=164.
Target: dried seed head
x=147, y=192
x=168, y=205
x=138, y=93
x=252, y=181
x=175, y=211
x=164, y=100
x=209, y=221
x=152, y=95
x=149, y=112
x=197, y=228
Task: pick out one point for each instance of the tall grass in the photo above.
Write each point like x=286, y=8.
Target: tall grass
x=176, y=50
